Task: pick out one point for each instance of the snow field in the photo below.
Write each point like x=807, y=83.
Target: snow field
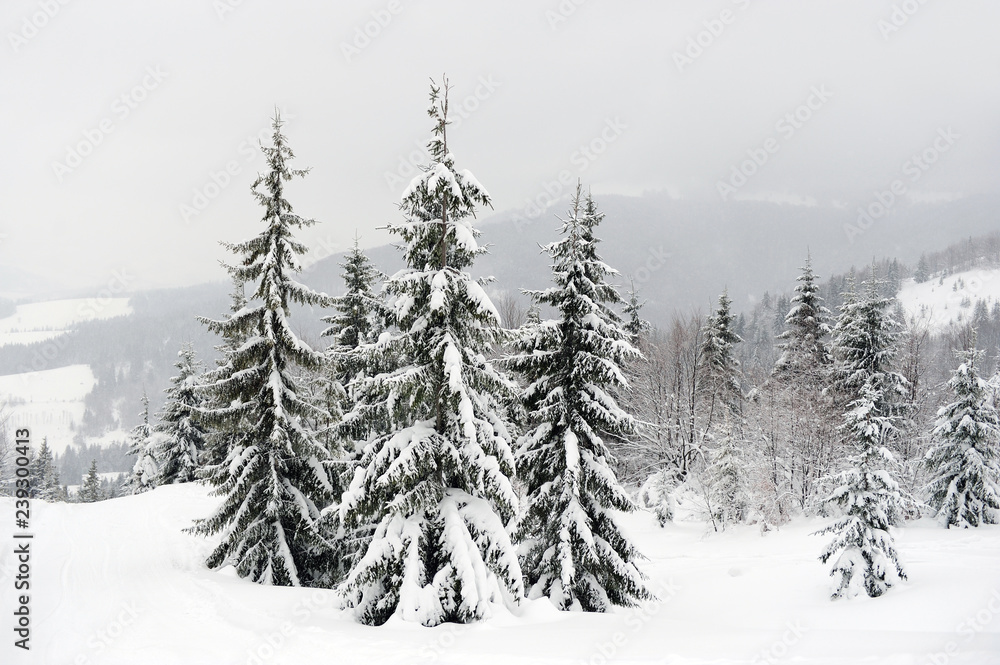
x=45, y=320
x=119, y=582
x=941, y=305
x=49, y=403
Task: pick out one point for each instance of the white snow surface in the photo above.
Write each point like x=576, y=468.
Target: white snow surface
x=49, y=402
x=39, y=321
x=940, y=305
x=119, y=582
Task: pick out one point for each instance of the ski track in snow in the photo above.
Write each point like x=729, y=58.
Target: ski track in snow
x=119, y=582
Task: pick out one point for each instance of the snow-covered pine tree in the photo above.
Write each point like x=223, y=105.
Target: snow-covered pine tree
x=44, y=478
x=722, y=379
x=437, y=484
x=181, y=438
x=864, y=345
x=635, y=325
x=360, y=317
x=809, y=423
x=805, y=350
x=572, y=549
x=90, y=491
x=728, y=494
x=274, y=480
x=863, y=548
x=964, y=461
x=146, y=468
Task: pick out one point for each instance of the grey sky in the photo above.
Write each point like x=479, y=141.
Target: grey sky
x=199, y=84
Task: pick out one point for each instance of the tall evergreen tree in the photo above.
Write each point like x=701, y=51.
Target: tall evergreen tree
x=181, y=438
x=635, y=325
x=573, y=550
x=146, y=468
x=863, y=549
x=90, y=491
x=437, y=484
x=722, y=368
x=274, y=480
x=728, y=494
x=864, y=346
x=43, y=475
x=804, y=346
x=964, y=461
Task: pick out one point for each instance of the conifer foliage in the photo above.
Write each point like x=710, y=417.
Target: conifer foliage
x=437, y=484
x=572, y=549
x=273, y=480
x=804, y=343
x=146, y=469
x=965, y=461
x=863, y=550
x=180, y=443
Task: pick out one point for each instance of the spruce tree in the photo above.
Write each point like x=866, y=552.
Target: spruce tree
x=635, y=325
x=146, y=468
x=180, y=439
x=728, y=494
x=964, y=461
x=864, y=346
x=437, y=484
x=863, y=549
x=274, y=480
x=719, y=359
x=572, y=549
x=43, y=475
x=804, y=346
x=90, y=492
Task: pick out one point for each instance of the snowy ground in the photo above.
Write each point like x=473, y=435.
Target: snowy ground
x=940, y=304
x=35, y=322
x=49, y=401
x=118, y=582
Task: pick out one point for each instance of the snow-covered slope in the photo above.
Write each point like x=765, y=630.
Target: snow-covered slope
x=49, y=403
x=945, y=301
x=39, y=321
x=118, y=582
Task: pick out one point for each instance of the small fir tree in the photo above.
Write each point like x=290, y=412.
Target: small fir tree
x=863, y=550
x=964, y=461
x=181, y=438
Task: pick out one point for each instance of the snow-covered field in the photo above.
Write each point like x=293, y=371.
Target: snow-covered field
x=49, y=402
x=943, y=303
x=35, y=322
x=118, y=582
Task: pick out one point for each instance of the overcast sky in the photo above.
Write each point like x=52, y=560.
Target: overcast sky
x=116, y=113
